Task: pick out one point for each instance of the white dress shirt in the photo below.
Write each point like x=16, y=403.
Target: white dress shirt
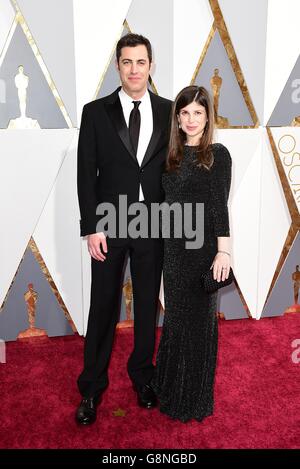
x=146, y=128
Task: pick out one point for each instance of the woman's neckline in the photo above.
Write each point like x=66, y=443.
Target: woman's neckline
x=195, y=146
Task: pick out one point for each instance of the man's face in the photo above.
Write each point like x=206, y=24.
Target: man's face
x=134, y=69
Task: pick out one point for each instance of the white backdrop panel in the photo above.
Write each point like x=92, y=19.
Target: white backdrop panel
x=29, y=163
x=7, y=15
x=57, y=235
x=282, y=49
x=274, y=222
x=155, y=21
x=287, y=141
x=193, y=20
x=97, y=27
x=245, y=148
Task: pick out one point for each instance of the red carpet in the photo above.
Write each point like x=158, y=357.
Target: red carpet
x=257, y=395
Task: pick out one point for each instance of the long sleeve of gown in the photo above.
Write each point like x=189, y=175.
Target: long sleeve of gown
x=220, y=188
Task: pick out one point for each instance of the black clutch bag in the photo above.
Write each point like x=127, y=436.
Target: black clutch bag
x=211, y=285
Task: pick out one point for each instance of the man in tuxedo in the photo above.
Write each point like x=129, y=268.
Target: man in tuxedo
x=121, y=151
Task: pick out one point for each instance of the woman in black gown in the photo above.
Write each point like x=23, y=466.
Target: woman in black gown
x=197, y=171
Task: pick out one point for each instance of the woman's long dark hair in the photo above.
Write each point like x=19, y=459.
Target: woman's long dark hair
x=199, y=95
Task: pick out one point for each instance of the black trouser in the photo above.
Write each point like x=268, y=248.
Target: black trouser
x=146, y=256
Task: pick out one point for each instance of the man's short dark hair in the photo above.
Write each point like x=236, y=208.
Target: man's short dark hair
x=133, y=40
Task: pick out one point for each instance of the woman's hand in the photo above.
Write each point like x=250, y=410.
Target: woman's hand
x=221, y=266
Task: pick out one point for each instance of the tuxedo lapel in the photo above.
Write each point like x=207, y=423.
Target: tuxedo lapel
x=115, y=112
x=157, y=130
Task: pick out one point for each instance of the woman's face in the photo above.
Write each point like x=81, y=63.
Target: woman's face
x=192, y=119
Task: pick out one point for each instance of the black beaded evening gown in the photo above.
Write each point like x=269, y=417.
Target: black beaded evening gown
x=186, y=359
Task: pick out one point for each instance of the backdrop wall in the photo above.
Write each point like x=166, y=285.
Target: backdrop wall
x=67, y=53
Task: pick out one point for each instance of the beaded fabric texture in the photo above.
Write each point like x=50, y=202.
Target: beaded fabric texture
x=186, y=359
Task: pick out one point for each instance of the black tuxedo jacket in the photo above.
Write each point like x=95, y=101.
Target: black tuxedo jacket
x=106, y=164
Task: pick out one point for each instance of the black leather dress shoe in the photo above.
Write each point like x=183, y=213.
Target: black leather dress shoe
x=145, y=396
x=87, y=411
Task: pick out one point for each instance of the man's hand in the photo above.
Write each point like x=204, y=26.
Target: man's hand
x=94, y=242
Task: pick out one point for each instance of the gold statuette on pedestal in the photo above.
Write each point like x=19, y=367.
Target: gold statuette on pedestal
x=128, y=295
x=296, y=122
x=216, y=83
x=31, y=298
